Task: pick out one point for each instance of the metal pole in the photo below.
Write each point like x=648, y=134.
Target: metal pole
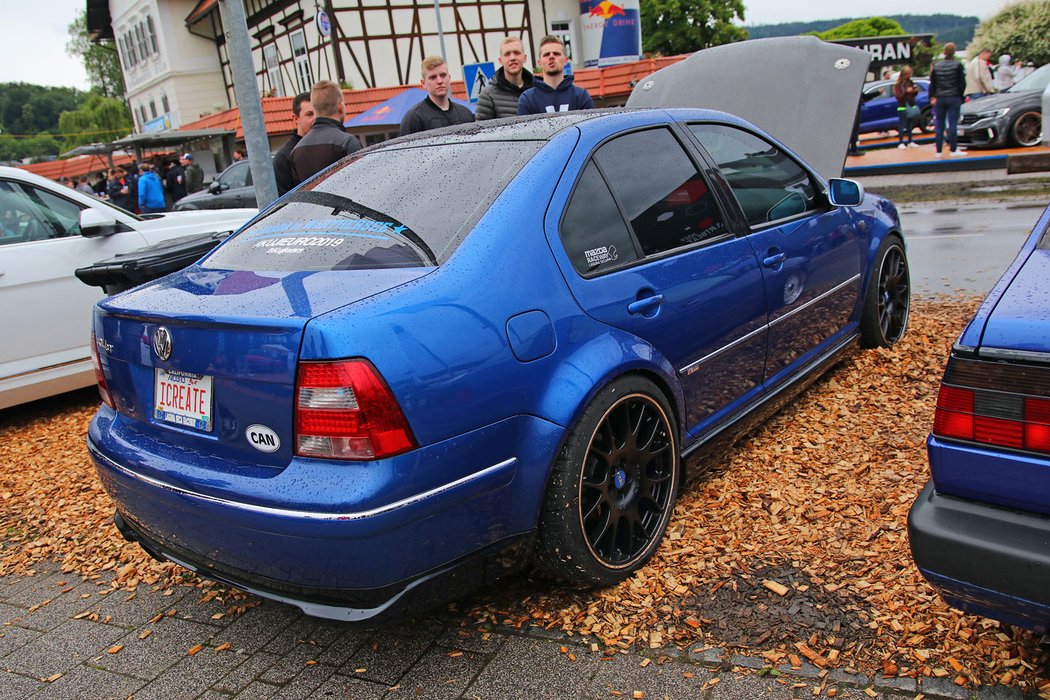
x=1046, y=116
x=242, y=68
x=441, y=34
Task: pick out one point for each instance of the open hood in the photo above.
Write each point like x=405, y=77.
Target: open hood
x=802, y=90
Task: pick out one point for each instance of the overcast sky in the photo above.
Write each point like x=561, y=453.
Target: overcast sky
x=33, y=49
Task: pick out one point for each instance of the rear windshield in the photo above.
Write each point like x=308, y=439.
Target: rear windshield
x=408, y=207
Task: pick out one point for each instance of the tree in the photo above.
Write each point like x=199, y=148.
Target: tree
x=872, y=26
x=97, y=119
x=100, y=60
x=672, y=27
x=30, y=109
x=1021, y=29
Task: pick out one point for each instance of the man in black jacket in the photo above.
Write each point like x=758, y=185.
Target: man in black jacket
x=947, y=84
x=303, y=117
x=437, y=109
x=327, y=141
x=500, y=97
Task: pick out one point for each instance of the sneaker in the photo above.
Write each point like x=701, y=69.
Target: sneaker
x=912, y=144
x=957, y=154
x=901, y=147
x=939, y=154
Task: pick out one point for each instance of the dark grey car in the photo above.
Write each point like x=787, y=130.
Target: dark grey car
x=1013, y=117
x=232, y=189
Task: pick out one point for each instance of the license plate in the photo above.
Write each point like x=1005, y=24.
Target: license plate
x=182, y=398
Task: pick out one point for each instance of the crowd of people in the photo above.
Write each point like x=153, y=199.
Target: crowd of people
x=320, y=138
x=148, y=187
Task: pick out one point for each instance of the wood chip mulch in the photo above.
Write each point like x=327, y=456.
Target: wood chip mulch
x=791, y=546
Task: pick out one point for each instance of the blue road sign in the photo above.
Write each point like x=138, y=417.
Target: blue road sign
x=476, y=76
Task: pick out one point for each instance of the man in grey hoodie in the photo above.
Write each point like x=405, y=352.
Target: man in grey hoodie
x=500, y=97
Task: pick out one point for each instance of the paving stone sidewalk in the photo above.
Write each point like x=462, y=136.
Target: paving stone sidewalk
x=64, y=638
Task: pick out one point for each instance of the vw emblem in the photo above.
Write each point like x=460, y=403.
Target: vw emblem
x=162, y=343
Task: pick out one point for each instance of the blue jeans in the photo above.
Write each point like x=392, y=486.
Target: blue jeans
x=946, y=109
x=903, y=125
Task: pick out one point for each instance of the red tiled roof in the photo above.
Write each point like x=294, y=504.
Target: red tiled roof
x=76, y=166
x=202, y=8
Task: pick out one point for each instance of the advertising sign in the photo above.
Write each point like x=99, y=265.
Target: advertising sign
x=611, y=32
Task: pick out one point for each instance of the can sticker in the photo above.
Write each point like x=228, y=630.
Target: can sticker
x=262, y=438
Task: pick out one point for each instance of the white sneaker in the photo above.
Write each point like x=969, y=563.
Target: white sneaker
x=939, y=154
x=901, y=147
x=912, y=144
x=956, y=154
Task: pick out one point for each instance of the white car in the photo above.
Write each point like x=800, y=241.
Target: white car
x=46, y=232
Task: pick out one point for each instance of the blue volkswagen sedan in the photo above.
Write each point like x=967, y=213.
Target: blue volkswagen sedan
x=980, y=529
x=458, y=353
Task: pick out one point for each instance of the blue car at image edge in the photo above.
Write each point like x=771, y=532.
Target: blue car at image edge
x=980, y=529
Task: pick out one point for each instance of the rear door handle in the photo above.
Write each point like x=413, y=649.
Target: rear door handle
x=645, y=306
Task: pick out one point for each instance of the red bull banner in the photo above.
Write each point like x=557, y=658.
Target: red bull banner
x=611, y=32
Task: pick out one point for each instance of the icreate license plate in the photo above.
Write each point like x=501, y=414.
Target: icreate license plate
x=182, y=398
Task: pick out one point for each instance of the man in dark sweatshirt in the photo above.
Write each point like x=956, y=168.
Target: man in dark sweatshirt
x=556, y=92
x=437, y=109
x=500, y=97
x=327, y=141
x=947, y=84
x=303, y=117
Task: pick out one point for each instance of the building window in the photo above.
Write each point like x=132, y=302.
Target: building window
x=273, y=68
x=142, y=113
x=164, y=104
x=152, y=109
x=130, y=41
x=141, y=39
x=152, y=34
x=302, y=61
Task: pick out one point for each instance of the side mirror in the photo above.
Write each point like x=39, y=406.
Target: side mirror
x=215, y=187
x=95, y=222
x=845, y=193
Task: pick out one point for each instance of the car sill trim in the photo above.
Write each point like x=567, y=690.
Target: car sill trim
x=304, y=514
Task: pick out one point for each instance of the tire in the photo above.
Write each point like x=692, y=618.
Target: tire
x=926, y=121
x=888, y=300
x=1027, y=129
x=613, y=488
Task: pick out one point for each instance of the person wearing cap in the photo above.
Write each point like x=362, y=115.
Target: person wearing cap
x=193, y=174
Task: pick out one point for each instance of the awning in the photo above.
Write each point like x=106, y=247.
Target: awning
x=391, y=112
x=171, y=137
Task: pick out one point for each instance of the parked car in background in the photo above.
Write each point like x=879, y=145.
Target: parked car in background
x=232, y=189
x=46, y=232
x=1013, y=117
x=879, y=111
x=980, y=529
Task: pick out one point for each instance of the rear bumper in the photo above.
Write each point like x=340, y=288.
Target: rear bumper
x=355, y=556
x=984, y=559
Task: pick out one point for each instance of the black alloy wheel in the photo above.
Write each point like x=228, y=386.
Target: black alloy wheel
x=613, y=488
x=888, y=301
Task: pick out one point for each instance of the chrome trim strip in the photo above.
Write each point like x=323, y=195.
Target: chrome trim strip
x=1015, y=355
x=693, y=366
x=814, y=300
x=302, y=514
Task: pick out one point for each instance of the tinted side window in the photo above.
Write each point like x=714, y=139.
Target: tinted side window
x=593, y=232
x=31, y=214
x=767, y=183
x=666, y=200
x=236, y=175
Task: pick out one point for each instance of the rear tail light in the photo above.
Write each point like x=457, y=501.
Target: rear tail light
x=344, y=410
x=100, y=378
x=993, y=417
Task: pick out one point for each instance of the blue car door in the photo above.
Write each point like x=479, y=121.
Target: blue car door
x=653, y=256
x=809, y=251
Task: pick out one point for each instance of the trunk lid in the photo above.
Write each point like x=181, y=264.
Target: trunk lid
x=211, y=355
